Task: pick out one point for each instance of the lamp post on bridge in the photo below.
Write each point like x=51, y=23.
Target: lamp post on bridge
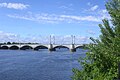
x=50, y=39
x=72, y=49
x=53, y=39
x=72, y=38
x=51, y=48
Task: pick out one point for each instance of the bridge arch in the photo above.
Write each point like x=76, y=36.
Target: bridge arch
x=14, y=47
x=40, y=47
x=4, y=47
x=60, y=46
x=79, y=47
x=26, y=47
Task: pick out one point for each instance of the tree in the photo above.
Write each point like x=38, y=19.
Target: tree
x=101, y=62
x=8, y=42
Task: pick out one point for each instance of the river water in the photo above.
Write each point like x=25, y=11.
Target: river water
x=38, y=65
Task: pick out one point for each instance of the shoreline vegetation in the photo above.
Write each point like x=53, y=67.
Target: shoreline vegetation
x=16, y=43
x=101, y=62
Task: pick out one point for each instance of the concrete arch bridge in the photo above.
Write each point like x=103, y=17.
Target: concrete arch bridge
x=50, y=47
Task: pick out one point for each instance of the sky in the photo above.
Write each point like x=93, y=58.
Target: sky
x=36, y=20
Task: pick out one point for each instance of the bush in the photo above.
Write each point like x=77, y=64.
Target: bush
x=101, y=62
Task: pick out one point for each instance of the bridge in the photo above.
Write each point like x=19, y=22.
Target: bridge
x=50, y=47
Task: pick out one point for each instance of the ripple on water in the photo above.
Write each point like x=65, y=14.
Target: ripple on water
x=38, y=65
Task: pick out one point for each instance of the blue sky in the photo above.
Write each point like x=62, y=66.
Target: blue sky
x=33, y=20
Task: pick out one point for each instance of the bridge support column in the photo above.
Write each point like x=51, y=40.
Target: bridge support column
x=51, y=48
x=73, y=50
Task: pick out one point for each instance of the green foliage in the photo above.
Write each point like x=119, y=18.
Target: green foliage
x=101, y=62
x=8, y=42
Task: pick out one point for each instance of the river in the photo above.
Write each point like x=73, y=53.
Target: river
x=38, y=65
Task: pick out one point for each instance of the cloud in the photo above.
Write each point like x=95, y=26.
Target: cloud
x=94, y=8
x=68, y=7
x=5, y=37
x=53, y=18
x=91, y=32
x=66, y=39
x=89, y=4
x=91, y=7
x=63, y=7
x=84, y=39
x=103, y=13
x=19, y=6
x=97, y=12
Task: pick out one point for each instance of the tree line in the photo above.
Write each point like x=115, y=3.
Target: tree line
x=17, y=43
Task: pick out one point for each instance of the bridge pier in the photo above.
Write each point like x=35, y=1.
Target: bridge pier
x=73, y=50
x=52, y=49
